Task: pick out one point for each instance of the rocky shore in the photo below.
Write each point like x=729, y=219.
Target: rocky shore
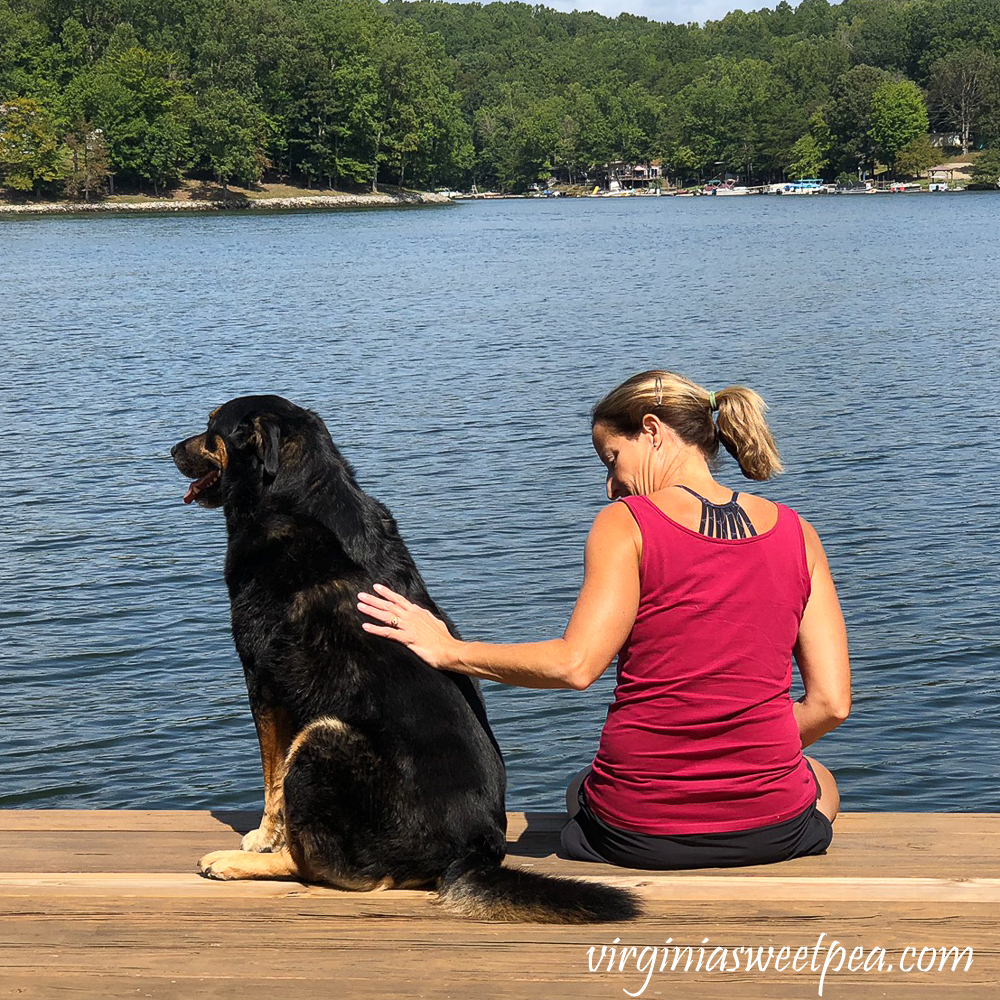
x=233, y=203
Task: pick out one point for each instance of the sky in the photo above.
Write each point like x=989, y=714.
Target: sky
x=678, y=11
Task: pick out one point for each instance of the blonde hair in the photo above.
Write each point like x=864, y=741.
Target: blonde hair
x=687, y=408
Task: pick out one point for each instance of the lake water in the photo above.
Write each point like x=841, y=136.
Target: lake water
x=455, y=353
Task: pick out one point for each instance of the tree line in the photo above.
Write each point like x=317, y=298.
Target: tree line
x=356, y=93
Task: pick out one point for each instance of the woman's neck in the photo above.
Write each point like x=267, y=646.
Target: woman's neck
x=686, y=467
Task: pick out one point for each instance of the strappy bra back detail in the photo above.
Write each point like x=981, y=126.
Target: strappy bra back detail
x=723, y=520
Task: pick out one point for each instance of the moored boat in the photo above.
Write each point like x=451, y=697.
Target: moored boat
x=808, y=185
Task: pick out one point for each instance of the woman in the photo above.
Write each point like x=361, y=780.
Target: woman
x=704, y=595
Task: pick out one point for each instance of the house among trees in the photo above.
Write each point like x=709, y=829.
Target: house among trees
x=648, y=173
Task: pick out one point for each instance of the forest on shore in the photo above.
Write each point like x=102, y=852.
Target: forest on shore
x=350, y=94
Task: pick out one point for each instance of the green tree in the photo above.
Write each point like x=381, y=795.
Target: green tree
x=880, y=35
x=735, y=117
x=417, y=91
x=811, y=66
x=534, y=143
x=87, y=170
x=413, y=108
x=741, y=35
x=809, y=157
x=229, y=136
x=898, y=116
x=26, y=54
x=368, y=99
x=137, y=98
x=585, y=138
x=815, y=18
x=986, y=169
x=916, y=157
x=964, y=86
x=850, y=117
x=329, y=84
x=29, y=145
x=76, y=52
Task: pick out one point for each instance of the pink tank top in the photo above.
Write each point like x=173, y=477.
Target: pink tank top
x=700, y=737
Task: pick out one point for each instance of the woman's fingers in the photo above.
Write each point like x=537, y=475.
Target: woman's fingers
x=392, y=597
x=375, y=606
x=395, y=611
x=385, y=608
x=377, y=602
x=379, y=630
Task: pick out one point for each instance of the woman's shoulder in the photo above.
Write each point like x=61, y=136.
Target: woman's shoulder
x=815, y=553
x=770, y=512
x=614, y=528
x=764, y=514
x=617, y=516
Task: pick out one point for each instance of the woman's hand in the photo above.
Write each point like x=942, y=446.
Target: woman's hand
x=600, y=623
x=407, y=623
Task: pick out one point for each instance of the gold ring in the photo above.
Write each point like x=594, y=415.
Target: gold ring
x=394, y=623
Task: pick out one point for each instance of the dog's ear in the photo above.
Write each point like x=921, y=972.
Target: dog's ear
x=267, y=437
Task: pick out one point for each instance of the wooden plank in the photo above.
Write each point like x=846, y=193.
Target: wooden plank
x=518, y=823
x=918, y=845
x=129, y=820
x=653, y=886
x=932, y=856
x=184, y=949
x=101, y=850
x=430, y=984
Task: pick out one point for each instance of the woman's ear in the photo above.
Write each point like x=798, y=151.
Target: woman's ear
x=653, y=429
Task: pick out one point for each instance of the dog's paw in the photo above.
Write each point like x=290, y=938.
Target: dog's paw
x=222, y=865
x=263, y=839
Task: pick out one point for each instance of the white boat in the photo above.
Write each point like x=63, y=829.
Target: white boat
x=866, y=187
x=808, y=185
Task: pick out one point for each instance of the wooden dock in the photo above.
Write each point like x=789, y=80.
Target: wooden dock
x=106, y=904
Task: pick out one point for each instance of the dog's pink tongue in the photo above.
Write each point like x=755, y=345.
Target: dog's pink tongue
x=199, y=484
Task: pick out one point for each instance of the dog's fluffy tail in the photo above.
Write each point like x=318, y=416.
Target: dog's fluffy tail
x=492, y=892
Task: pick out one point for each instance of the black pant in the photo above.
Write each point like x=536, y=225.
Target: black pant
x=586, y=837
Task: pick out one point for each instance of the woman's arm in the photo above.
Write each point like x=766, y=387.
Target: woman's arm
x=601, y=620
x=821, y=651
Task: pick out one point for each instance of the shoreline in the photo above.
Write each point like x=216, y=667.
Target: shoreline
x=237, y=204
x=408, y=199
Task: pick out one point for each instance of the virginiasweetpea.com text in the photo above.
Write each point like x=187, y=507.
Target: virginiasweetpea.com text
x=637, y=965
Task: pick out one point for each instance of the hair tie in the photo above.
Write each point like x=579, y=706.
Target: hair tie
x=712, y=403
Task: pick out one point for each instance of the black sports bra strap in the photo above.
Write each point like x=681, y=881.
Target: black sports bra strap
x=723, y=520
x=697, y=496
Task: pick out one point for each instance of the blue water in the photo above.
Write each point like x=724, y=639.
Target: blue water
x=455, y=353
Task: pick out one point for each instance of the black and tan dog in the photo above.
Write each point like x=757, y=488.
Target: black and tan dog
x=378, y=770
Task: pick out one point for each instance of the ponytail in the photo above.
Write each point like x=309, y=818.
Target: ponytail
x=744, y=432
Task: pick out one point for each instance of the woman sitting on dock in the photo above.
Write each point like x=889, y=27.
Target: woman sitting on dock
x=705, y=595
